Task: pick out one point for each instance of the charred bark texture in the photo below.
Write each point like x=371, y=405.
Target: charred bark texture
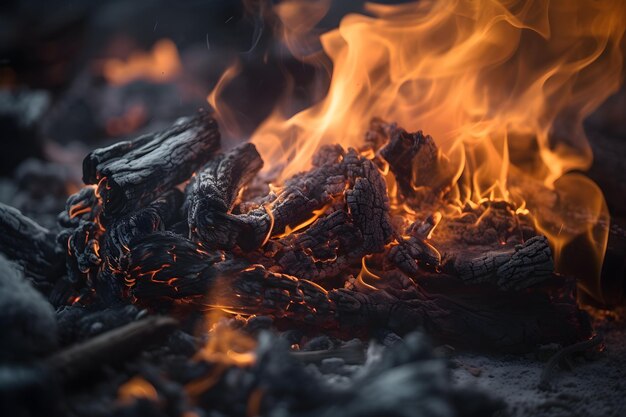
x=212, y=194
x=130, y=175
x=414, y=158
x=165, y=266
x=526, y=265
x=326, y=249
x=335, y=172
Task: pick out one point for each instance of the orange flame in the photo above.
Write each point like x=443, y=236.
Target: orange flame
x=160, y=65
x=135, y=388
x=366, y=274
x=502, y=85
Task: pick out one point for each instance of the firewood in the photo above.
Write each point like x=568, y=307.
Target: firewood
x=149, y=219
x=414, y=159
x=337, y=172
x=368, y=204
x=408, y=252
x=163, y=265
x=526, y=265
x=31, y=246
x=129, y=176
x=108, y=348
x=483, y=318
x=325, y=250
x=212, y=192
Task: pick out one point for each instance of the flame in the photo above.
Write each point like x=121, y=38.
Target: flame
x=503, y=86
x=315, y=215
x=160, y=65
x=223, y=112
x=225, y=348
x=366, y=274
x=135, y=388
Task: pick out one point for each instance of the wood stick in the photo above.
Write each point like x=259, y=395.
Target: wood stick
x=108, y=348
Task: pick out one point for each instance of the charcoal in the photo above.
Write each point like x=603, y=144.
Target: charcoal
x=164, y=265
x=517, y=322
x=27, y=319
x=31, y=246
x=408, y=253
x=129, y=176
x=414, y=159
x=325, y=250
x=212, y=193
x=149, y=219
x=368, y=205
x=83, y=205
x=527, y=264
x=314, y=190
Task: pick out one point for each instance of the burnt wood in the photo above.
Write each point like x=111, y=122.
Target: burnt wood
x=413, y=158
x=131, y=175
x=526, y=265
x=212, y=192
x=165, y=266
x=335, y=174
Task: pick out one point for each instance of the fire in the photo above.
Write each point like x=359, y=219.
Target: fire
x=315, y=215
x=135, y=388
x=503, y=87
x=366, y=274
x=160, y=65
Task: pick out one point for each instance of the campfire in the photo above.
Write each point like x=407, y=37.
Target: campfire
x=430, y=201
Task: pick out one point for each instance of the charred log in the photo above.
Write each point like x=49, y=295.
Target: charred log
x=482, y=318
x=327, y=248
x=145, y=221
x=409, y=252
x=31, y=246
x=306, y=196
x=132, y=175
x=212, y=194
x=414, y=159
x=526, y=265
x=166, y=266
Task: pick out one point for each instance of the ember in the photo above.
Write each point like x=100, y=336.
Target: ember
x=419, y=214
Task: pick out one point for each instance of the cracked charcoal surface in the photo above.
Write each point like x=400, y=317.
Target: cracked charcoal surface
x=212, y=192
x=129, y=176
x=527, y=264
